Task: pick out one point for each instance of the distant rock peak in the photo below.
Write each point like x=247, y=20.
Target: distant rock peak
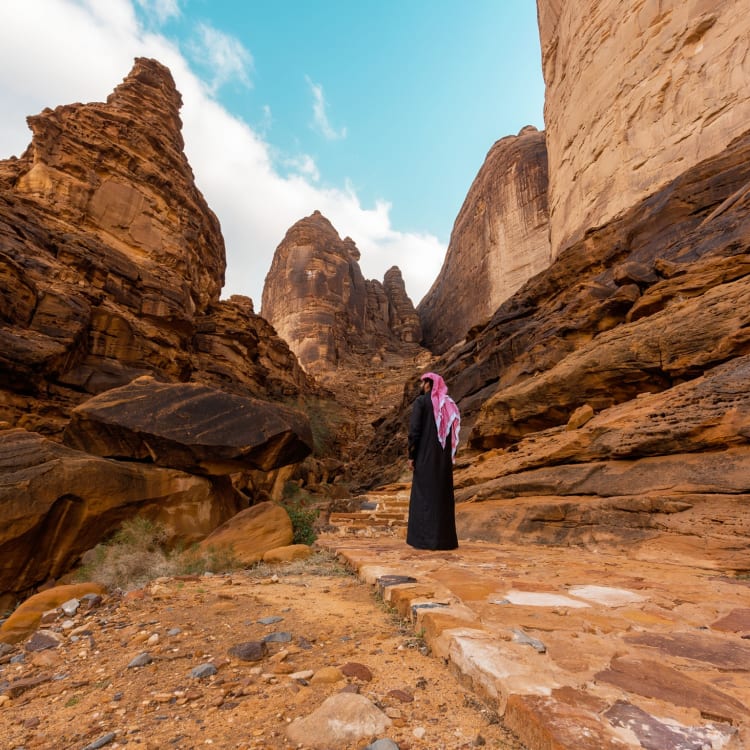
x=318, y=300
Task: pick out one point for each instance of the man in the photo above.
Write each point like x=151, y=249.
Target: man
x=433, y=439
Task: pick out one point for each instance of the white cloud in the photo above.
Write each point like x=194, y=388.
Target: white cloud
x=320, y=116
x=232, y=163
x=160, y=11
x=224, y=55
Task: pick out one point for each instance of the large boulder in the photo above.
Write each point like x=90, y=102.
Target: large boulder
x=189, y=426
x=57, y=502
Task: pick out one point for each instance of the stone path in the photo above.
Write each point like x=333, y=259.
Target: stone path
x=578, y=649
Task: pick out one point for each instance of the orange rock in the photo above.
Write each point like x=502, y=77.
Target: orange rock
x=252, y=532
x=286, y=554
x=25, y=620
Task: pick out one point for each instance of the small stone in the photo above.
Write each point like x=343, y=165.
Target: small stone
x=356, y=670
x=41, y=640
x=101, y=742
x=419, y=732
x=141, y=660
x=70, y=607
x=203, y=670
x=31, y=723
x=153, y=640
x=270, y=620
x=49, y=616
x=249, y=650
x=384, y=744
x=91, y=601
x=4, y=699
x=327, y=675
x=402, y=696
x=174, y=631
x=393, y=713
x=304, y=674
x=278, y=637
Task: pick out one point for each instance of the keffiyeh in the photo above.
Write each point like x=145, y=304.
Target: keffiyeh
x=447, y=416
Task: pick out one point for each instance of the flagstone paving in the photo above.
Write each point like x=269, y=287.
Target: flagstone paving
x=577, y=648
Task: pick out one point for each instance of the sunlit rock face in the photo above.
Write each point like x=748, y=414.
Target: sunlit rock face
x=636, y=93
x=320, y=303
x=111, y=266
x=500, y=239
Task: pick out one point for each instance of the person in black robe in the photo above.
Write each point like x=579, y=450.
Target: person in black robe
x=432, y=520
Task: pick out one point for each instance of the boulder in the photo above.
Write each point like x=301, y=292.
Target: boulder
x=251, y=533
x=189, y=426
x=26, y=618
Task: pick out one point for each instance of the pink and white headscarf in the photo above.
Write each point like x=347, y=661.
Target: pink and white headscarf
x=447, y=416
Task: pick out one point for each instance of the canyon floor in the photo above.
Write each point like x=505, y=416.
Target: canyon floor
x=83, y=694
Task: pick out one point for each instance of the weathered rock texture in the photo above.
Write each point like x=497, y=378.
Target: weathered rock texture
x=636, y=94
x=111, y=266
x=500, y=239
x=317, y=299
x=606, y=401
x=57, y=502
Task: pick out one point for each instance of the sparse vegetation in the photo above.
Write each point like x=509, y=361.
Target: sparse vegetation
x=298, y=504
x=138, y=553
x=320, y=563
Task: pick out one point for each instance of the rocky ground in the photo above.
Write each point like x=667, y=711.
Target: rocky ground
x=300, y=633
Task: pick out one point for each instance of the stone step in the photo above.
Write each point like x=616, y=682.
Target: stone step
x=578, y=649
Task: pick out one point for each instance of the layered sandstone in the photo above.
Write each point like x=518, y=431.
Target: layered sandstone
x=636, y=94
x=320, y=303
x=606, y=402
x=500, y=239
x=111, y=265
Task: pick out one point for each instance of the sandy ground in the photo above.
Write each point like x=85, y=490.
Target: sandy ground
x=88, y=694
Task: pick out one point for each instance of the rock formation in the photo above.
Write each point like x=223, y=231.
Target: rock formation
x=500, y=239
x=636, y=95
x=111, y=266
x=317, y=299
x=606, y=401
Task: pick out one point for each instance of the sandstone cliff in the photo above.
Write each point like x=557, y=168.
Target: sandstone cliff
x=499, y=240
x=606, y=401
x=319, y=302
x=636, y=94
x=111, y=266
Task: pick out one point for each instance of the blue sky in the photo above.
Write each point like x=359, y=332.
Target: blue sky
x=379, y=114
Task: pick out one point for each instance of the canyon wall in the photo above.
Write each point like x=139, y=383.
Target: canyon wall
x=499, y=240
x=111, y=266
x=636, y=94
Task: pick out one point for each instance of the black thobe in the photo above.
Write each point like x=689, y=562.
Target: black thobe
x=432, y=519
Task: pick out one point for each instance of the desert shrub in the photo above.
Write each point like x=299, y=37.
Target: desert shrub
x=297, y=504
x=138, y=553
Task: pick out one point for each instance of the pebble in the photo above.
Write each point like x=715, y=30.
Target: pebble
x=70, y=607
x=359, y=671
x=174, y=631
x=384, y=744
x=270, y=620
x=419, y=732
x=203, y=670
x=278, y=637
x=249, y=650
x=101, y=742
x=141, y=660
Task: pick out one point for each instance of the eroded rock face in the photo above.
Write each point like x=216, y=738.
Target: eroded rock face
x=500, y=239
x=317, y=299
x=57, y=502
x=635, y=96
x=111, y=265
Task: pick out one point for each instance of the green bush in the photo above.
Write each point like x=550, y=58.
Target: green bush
x=296, y=502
